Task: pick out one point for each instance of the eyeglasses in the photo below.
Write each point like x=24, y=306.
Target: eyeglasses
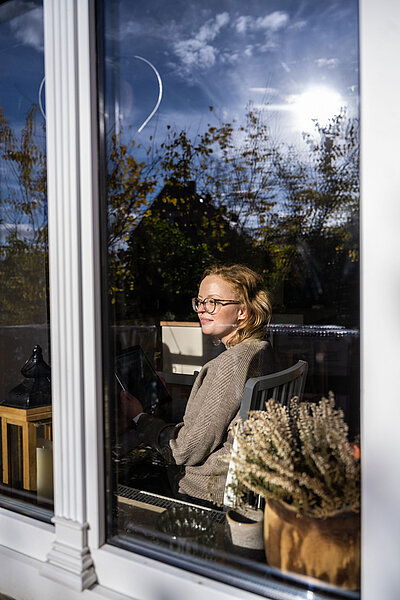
x=210, y=304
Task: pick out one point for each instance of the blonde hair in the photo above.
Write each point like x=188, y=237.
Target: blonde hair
x=249, y=290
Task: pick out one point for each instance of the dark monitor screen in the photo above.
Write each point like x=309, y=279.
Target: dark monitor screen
x=136, y=374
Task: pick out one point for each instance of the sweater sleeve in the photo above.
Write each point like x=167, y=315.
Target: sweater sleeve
x=211, y=409
x=213, y=404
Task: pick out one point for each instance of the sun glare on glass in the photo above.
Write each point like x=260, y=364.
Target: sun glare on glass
x=316, y=104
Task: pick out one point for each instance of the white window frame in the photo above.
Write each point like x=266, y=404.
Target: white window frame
x=380, y=297
x=72, y=553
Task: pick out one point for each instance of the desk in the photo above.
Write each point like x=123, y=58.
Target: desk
x=27, y=419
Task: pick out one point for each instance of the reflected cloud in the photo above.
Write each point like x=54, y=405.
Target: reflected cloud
x=298, y=25
x=28, y=28
x=267, y=91
x=23, y=231
x=271, y=23
x=199, y=52
x=10, y=10
x=228, y=54
x=268, y=25
x=210, y=30
x=285, y=67
x=330, y=63
x=196, y=51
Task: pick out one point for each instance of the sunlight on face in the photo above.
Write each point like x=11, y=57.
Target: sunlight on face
x=223, y=322
x=319, y=104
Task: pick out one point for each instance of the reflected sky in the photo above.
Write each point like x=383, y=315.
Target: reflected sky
x=296, y=60
x=222, y=54
x=21, y=57
x=22, y=72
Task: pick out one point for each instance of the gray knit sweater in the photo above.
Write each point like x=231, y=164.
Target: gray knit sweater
x=203, y=441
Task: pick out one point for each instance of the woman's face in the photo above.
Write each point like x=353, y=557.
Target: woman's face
x=223, y=322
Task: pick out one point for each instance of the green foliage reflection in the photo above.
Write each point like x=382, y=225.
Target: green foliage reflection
x=234, y=193
x=23, y=221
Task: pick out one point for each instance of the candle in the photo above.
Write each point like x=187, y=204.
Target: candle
x=44, y=464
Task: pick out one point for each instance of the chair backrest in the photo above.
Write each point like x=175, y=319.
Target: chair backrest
x=281, y=386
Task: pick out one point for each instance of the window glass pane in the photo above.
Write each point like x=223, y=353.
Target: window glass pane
x=230, y=137
x=25, y=397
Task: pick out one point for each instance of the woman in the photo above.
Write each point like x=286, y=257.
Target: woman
x=233, y=308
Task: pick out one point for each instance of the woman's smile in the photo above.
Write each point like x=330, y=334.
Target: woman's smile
x=205, y=319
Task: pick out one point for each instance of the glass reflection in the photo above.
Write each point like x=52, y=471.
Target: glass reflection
x=24, y=306
x=231, y=135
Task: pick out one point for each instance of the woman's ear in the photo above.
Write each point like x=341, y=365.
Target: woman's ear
x=242, y=314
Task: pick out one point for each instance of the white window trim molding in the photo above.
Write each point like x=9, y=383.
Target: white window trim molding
x=70, y=173
x=25, y=534
x=144, y=578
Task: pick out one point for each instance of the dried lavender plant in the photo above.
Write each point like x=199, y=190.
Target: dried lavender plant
x=300, y=454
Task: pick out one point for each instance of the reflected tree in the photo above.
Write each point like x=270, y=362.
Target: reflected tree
x=211, y=186
x=130, y=185
x=313, y=236
x=178, y=237
x=232, y=194
x=23, y=213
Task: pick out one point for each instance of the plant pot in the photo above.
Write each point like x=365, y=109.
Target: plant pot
x=246, y=527
x=327, y=549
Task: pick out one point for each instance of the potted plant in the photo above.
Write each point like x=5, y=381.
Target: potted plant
x=300, y=460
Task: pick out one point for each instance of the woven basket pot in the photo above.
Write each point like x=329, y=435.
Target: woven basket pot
x=327, y=549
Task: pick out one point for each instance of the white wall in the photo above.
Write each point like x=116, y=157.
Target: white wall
x=185, y=348
x=380, y=205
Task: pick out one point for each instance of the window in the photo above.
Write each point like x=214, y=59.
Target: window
x=25, y=395
x=230, y=136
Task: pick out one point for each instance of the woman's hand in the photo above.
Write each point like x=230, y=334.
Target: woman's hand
x=130, y=405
